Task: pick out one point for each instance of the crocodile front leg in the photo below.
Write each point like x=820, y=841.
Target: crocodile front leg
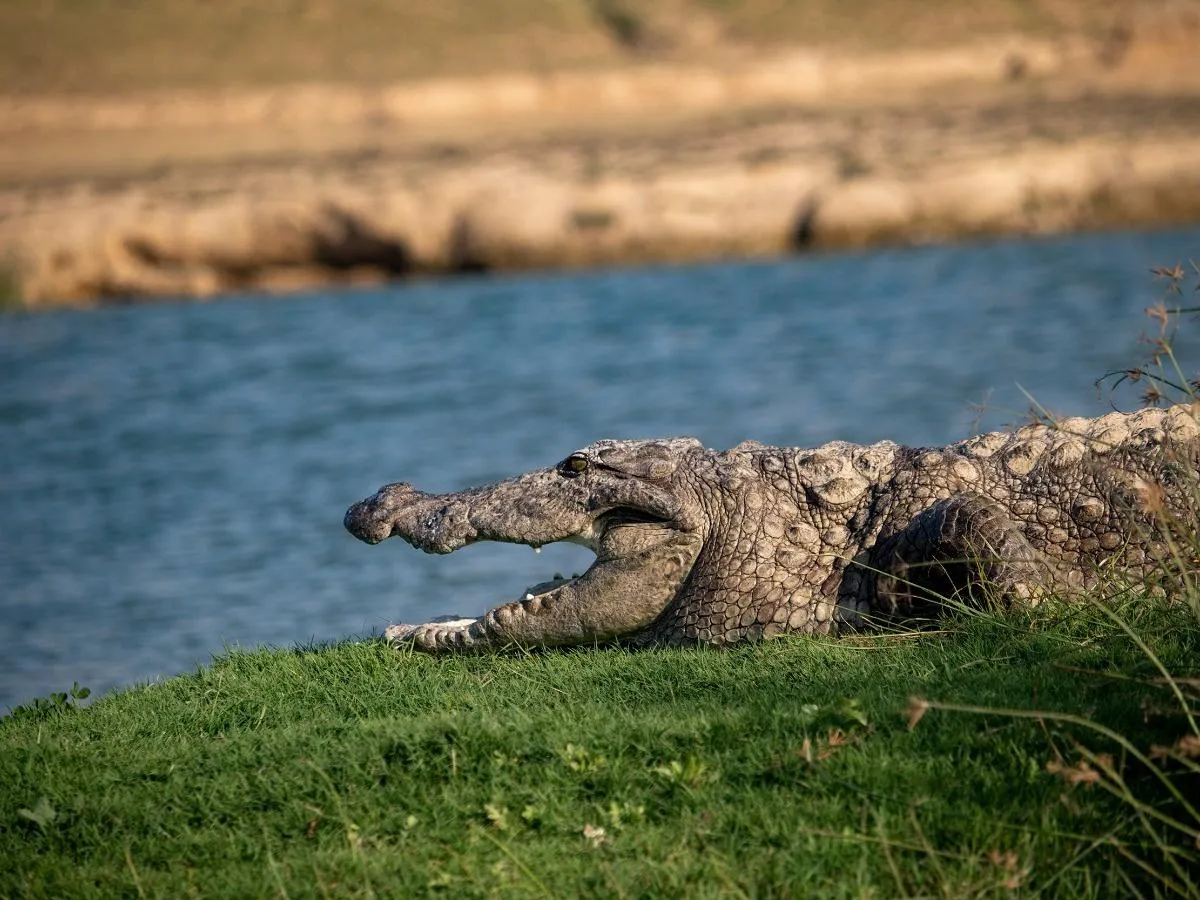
x=961, y=549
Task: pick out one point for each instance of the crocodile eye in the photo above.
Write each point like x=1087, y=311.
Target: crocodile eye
x=575, y=465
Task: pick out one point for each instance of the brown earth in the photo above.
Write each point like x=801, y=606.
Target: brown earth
x=104, y=47
x=193, y=191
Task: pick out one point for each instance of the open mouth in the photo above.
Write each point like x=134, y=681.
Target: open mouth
x=574, y=604
x=589, y=538
x=534, y=594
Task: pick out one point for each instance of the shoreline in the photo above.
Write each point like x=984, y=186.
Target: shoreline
x=172, y=194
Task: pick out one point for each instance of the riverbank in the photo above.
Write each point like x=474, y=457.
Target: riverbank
x=860, y=766
x=197, y=190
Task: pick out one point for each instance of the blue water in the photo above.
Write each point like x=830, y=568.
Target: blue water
x=174, y=476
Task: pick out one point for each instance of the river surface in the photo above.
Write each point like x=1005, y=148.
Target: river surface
x=173, y=477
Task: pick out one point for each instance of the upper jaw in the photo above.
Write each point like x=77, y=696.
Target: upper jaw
x=443, y=523
x=369, y=521
x=400, y=509
x=533, y=509
x=589, y=537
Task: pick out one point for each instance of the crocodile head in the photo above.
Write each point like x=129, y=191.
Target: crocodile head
x=630, y=502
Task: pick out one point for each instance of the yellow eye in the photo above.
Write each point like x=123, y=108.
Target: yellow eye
x=577, y=464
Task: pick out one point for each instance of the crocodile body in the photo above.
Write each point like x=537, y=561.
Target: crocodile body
x=699, y=546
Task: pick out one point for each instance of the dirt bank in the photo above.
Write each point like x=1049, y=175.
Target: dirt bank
x=191, y=193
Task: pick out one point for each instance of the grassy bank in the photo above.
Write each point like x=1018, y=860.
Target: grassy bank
x=114, y=45
x=783, y=769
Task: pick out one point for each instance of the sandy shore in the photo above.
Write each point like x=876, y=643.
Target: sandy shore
x=194, y=194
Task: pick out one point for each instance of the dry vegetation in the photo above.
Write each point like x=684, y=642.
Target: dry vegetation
x=91, y=46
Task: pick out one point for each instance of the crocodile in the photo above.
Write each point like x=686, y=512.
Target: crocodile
x=697, y=546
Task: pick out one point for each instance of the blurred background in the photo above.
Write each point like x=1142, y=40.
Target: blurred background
x=448, y=242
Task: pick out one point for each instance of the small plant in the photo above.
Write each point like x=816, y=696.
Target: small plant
x=689, y=772
x=53, y=705
x=498, y=817
x=621, y=815
x=1162, y=372
x=42, y=815
x=581, y=761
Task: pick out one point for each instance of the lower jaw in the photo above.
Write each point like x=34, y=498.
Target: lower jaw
x=546, y=587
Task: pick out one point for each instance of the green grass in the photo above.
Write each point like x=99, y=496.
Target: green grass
x=786, y=769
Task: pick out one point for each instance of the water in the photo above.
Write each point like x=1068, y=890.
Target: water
x=174, y=476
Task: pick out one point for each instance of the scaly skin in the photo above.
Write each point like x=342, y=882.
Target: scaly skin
x=698, y=546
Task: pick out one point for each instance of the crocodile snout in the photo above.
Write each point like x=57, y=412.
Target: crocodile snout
x=362, y=521
x=373, y=520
